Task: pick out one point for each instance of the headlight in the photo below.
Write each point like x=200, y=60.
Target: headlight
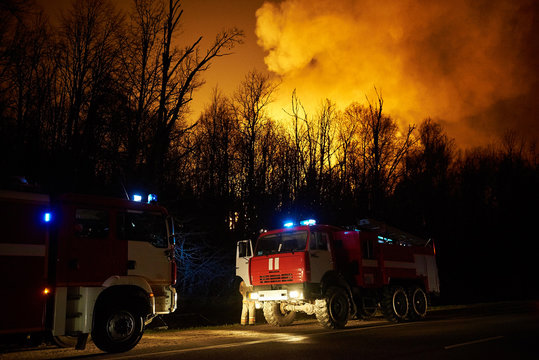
x=294, y=294
x=253, y=296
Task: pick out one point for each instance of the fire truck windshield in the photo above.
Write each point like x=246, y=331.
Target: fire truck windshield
x=287, y=241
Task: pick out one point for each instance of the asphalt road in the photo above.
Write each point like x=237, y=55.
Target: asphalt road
x=493, y=331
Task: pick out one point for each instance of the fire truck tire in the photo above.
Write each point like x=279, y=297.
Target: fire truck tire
x=395, y=304
x=334, y=310
x=418, y=303
x=117, y=329
x=275, y=315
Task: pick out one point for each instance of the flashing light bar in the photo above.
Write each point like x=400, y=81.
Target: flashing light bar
x=308, y=222
x=288, y=224
x=47, y=217
x=138, y=198
x=383, y=239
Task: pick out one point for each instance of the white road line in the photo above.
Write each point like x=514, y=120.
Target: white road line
x=472, y=342
x=179, y=351
x=283, y=338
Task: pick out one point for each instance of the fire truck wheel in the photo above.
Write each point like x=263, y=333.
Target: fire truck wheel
x=333, y=311
x=395, y=304
x=276, y=315
x=117, y=329
x=419, y=303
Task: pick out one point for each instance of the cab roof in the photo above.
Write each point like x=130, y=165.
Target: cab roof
x=323, y=227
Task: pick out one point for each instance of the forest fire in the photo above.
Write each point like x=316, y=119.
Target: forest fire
x=454, y=61
x=99, y=98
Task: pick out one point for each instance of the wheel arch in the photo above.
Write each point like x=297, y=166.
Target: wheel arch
x=407, y=282
x=137, y=281
x=334, y=278
x=125, y=294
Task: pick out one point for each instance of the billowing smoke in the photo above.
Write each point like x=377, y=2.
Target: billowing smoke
x=471, y=64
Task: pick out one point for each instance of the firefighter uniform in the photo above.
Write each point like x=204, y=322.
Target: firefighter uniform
x=248, y=305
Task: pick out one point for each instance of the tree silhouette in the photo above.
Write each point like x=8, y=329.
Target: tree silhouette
x=180, y=70
x=250, y=102
x=140, y=66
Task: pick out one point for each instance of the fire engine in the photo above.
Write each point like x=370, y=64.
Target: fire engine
x=73, y=265
x=336, y=274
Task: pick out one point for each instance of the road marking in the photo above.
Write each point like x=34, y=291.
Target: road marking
x=472, y=342
x=336, y=331
x=178, y=351
x=285, y=337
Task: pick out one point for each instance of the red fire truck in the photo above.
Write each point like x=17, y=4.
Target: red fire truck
x=336, y=273
x=74, y=265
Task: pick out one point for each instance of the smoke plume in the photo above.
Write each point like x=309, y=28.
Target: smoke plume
x=470, y=64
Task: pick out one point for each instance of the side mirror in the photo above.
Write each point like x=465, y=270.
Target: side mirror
x=172, y=239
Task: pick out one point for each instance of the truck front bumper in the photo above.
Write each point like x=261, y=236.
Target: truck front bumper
x=165, y=300
x=277, y=295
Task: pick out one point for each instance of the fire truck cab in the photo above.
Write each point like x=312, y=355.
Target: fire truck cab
x=75, y=265
x=336, y=273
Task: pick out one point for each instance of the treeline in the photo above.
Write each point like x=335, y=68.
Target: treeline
x=99, y=96
x=99, y=102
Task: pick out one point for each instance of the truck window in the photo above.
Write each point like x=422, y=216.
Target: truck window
x=243, y=249
x=287, y=241
x=143, y=226
x=319, y=241
x=91, y=223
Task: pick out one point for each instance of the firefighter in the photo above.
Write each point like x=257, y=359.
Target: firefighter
x=248, y=305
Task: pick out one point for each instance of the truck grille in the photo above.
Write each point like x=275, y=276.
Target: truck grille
x=275, y=278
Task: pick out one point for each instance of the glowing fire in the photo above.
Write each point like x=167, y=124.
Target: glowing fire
x=451, y=60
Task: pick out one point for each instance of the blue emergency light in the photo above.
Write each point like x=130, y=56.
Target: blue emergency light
x=137, y=198
x=47, y=217
x=308, y=222
x=288, y=224
x=152, y=198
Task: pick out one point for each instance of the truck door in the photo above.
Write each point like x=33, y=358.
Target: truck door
x=244, y=251
x=88, y=250
x=319, y=255
x=147, y=236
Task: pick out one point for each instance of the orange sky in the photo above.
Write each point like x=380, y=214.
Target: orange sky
x=470, y=64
